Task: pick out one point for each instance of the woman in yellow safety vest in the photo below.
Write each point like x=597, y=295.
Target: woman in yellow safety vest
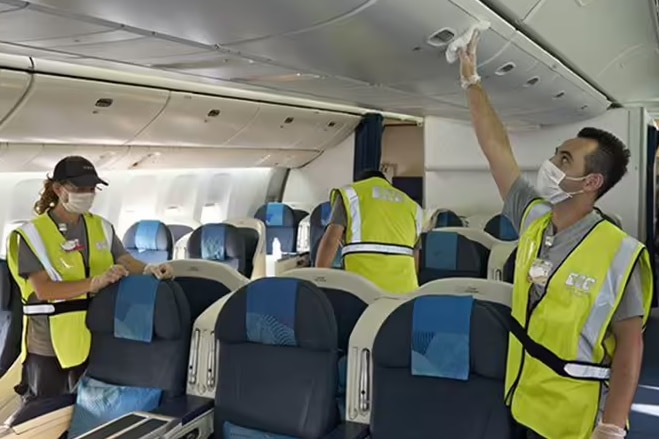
x=58, y=259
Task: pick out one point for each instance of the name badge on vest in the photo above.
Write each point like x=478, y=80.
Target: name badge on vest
x=72, y=245
x=540, y=271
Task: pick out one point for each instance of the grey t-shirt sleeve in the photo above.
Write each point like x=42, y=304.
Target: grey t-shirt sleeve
x=28, y=263
x=339, y=216
x=631, y=304
x=117, y=249
x=520, y=195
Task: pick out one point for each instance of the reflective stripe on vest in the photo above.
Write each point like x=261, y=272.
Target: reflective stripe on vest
x=31, y=232
x=539, y=208
x=356, y=246
x=55, y=308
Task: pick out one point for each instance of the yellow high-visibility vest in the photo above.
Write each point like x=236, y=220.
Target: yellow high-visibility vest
x=557, y=350
x=69, y=334
x=382, y=230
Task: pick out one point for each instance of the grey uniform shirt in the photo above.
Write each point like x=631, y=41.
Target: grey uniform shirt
x=38, y=327
x=519, y=197
x=339, y=216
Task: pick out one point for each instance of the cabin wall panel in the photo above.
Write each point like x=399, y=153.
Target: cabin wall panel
x=311, y=185
x=458, y=177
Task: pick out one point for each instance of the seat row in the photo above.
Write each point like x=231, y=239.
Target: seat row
x=314, y=353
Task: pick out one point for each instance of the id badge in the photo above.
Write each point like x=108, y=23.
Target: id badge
x=540, y=271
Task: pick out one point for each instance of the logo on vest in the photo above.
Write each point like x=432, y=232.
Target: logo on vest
x=101, y=245
x=579, y=284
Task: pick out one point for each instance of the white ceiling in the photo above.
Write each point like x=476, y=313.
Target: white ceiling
x=361, y=52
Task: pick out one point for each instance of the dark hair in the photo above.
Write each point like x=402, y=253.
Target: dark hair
x=369, y=173
x=609, y=159
x=48, y=198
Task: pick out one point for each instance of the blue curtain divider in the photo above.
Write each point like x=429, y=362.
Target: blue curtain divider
x=651, y=208
x=368, y=143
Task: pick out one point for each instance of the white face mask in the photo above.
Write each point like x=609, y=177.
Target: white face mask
x=79, y=203
x=549, y=180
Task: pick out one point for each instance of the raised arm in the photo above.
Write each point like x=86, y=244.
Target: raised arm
x=490, y=132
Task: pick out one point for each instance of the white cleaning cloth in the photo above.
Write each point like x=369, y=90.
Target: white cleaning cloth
x=463, y=40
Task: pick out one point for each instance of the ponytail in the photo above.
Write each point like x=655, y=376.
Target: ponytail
x=48, y=198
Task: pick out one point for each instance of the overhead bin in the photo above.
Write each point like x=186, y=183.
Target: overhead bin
x=13, y=86
x=28, y=24
x=103, y=157
x=71, y=111
x=17, y=157
x=197, y=120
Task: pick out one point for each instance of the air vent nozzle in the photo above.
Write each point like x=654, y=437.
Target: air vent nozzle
x=441, y=37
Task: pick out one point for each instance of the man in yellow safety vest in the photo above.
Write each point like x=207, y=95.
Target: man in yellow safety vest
x=380, y=226
x=582, y=287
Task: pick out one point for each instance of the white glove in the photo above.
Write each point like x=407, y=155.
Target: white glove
x=162, y=271
x=608, y=431
x=110, y=276
x=468, y=64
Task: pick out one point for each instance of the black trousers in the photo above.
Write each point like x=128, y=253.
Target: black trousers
x=43, y=377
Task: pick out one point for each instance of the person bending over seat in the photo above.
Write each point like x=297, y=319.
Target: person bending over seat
x=59, y=259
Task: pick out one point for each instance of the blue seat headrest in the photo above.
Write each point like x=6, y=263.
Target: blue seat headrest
x=218, y=242
x=279, y=311
x=148, y=235
x=501, y=228
x=276, y=215
x=137, y=308
x=435, y=326
x=440, y=336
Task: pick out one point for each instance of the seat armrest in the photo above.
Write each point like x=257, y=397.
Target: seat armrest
x=349, y=430
x=186, y=408
x=40, y=407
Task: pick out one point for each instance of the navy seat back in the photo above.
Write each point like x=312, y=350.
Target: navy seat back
x=220, y=243
x=149, y=241
x=318, y=222
x=643, y=417
x=11, y=319
x=178, y=231
x=509, y=268
x=299, y=215
x=348, y=308
x=280, y=223
x=251, y=238
x=449, y=254
x=417, y=393
x=141, y=331
x=448, y=218
x=277, y=371
x=501, y=228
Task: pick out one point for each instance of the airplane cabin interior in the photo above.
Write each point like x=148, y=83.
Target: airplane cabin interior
x=222, y=128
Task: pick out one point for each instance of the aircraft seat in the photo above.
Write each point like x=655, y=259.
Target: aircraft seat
x=128, y=386
x=299, y=215
x=349, y=295
x=508, y=271
x=179, y=230
x=417, y=394
x=220, y=243
x=644, y=415
x=181, y=247
x=446, y=218
x=498, y=265
x=479, y=220
x=501, y=228
x=361, y=389
x=280, y=223
x=11, y=319
x=450, y=254
x=320, y=217
x=149, y=241
x=254, y=233
x=276, y=336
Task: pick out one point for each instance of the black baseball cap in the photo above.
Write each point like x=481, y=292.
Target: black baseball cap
x=78, y=171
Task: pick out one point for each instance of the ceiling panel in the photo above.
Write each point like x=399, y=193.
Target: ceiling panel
x=212, y=21
x=597, y=36
x=516, y=9
x=224, y=66
x=133, y=48
x=310, y=84
x=4, y=7
x=35, y=52
x=394, y=33
x=26, y=24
